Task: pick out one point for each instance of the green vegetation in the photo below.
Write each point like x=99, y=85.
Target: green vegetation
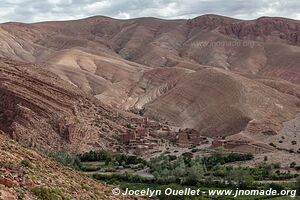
x=118, y=160
x=91, y=167
x=46, y=193
x=221, y=159
x=66, y=159
x=293, y=164
x=125, y=160
x=182, y=171
x=297, y=186
x=116, y=178
x=26, y=163
x=91, y=156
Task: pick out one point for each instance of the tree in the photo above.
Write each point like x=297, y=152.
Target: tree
x=241, y=178
x=265, y=170
x=195, y=173
x=297, y=185
x=187, y=156
x=180, y=170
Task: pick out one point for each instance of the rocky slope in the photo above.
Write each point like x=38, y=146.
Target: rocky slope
x=39, y=109
x=26, y=174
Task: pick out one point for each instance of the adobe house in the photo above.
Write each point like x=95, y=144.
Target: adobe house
x=140, y=121
x=183, y=140
x=141, y=132
x=190, y=137
x=153, y=125
x=126, y=137
x=218, y=143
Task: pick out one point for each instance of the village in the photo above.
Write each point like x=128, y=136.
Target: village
x=147, y=136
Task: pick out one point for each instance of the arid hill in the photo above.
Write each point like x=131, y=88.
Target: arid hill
x=266, y=46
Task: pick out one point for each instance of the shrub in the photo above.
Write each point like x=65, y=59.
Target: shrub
x=142, y=111
x=294, y=142
x=46, y=193
x=277, y=165
x=125, y=160
x=223, y=159
x=92, y=156
x=172, y=157
x=276, y=186
x=293, y=164
x=26, y=163
x=121, y=177
x=272, y=144
x=194, y=150
x=297, y=186
x=297, y=168
x=66, y=159
x=90, y=168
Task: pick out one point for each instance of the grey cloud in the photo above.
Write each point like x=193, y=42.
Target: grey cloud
x=32, y=11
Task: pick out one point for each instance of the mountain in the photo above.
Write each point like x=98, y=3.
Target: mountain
x=218, y=75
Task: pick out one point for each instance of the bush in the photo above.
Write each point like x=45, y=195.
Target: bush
x=272, y=144
x=172, y=157
x=194, y=150
x=293, y=164
x=187, y=157
x=66, y=159
x=92, y=156
x=46, y=193
x=294, y=142
x=276, y=165
x=223, y=159
x=276, y=186
x=297, y=168
x=122, y=178
x=90, y=168
x=291, y=150
x=125, y=160
x=26, y=163
x=297, y=186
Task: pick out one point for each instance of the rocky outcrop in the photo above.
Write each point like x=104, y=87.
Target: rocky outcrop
x=266, y=29
x=40, y=110
x=210, y=21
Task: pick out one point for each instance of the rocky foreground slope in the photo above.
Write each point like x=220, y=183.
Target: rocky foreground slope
x=26, y=174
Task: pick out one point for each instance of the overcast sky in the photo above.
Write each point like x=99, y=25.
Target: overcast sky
x=47, y=10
